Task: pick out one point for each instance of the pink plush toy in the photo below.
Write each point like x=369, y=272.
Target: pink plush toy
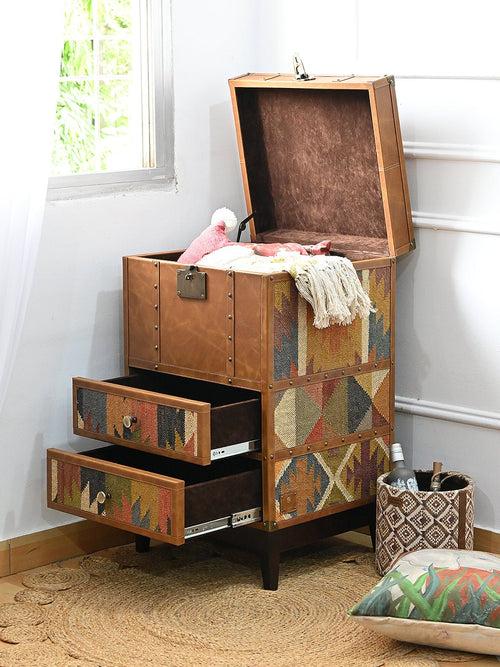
x=212, y=238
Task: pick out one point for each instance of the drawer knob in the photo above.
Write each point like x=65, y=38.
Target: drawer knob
x=128, y=420
x=102, y=496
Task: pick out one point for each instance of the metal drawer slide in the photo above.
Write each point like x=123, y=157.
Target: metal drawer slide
x=234, y=450
x=232, y=521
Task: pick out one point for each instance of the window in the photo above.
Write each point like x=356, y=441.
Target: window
x=114, y=109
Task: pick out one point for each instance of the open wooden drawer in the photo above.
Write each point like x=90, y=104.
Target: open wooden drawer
x=182, y=418
x=152, y=496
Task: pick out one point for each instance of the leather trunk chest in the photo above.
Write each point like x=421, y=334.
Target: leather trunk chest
x=234, y=408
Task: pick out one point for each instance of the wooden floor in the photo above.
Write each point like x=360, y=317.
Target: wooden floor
x=13, y=583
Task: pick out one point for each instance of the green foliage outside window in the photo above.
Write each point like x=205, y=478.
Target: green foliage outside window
x=99, y=97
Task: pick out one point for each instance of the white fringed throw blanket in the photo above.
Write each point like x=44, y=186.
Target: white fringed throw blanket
x=332, y=287
x=329, y=283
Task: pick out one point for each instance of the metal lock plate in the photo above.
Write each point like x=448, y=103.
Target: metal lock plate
x=191, y=283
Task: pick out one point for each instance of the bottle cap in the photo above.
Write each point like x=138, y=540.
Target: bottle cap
x=396, y=452
x=437, y=467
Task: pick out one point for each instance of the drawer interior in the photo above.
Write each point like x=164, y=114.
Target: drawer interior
x=226, y=487
x=218, y=395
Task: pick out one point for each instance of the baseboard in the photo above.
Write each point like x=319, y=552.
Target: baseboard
x=84, y=537
x=484, y=540
x=4, y=559
x=49, y=546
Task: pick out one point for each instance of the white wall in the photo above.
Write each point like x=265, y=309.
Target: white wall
x=73, y=324
x=448, y=328
x=448, y=316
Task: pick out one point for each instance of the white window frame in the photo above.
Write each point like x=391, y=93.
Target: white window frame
x=158, y=128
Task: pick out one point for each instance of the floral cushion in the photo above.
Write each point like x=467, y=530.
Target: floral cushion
x=438, y=597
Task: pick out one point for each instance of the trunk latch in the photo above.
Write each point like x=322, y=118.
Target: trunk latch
x=191, y=283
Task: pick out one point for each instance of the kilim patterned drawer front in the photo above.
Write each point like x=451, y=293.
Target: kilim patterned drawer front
x=131, y=414
x=133, y=500
x=313, y=484
x=328, y=411
x=151, y=495
x=302, y=349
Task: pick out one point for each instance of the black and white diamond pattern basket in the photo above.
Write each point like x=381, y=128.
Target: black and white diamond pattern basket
x=412, y=520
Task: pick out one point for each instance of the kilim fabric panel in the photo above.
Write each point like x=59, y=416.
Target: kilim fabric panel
x=314, y=482
x=302, y=349
x=333, y=408
x=130, y=502
x=412, y=520
x=159, y=426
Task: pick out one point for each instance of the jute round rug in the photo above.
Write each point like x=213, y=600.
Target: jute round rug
x=199, y=607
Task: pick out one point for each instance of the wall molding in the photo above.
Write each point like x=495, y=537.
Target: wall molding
x=455, y=223
x=427, y=150
x=54, y=544
x=451, y=413
x=83, y=537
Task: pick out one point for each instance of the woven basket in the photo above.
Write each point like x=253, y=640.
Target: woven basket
x=412, y=520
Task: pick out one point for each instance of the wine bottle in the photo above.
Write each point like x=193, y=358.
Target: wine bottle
x=400, y=476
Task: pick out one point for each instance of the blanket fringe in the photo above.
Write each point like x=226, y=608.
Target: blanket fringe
x=332, y=287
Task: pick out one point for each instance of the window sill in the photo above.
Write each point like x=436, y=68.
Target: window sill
x=81, y=186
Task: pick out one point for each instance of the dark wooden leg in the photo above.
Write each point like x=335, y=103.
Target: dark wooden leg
x=270, y=568
x=142, y=544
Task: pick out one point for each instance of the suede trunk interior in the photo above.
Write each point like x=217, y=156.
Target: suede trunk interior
x=312, y=166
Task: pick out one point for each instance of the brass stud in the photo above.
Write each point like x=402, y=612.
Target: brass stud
x=359, y=368
x=230, y=358
x=375, y=365
x=156, y=306
x=156, y=347
x=229, y=317
x=230, y=338
x=155, y=263
x=375, y=432
x=343, y=372
x=309, y=379
x=156, y=327
x=155, y=286
x=308, y=448
x=326, y=443
x=156, y=366
x=343, y=439
x=359, y=436
x=230, y=295
x=270, y=386
x=274, y=524
x=202, y=295
x=290, y=382
x=229, y=380
x=272, y=456
x=229, y=273
x=271, y=278
x=325, y=376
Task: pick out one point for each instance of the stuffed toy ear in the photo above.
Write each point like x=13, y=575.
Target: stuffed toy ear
x=226, y=216
x=212, y=238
